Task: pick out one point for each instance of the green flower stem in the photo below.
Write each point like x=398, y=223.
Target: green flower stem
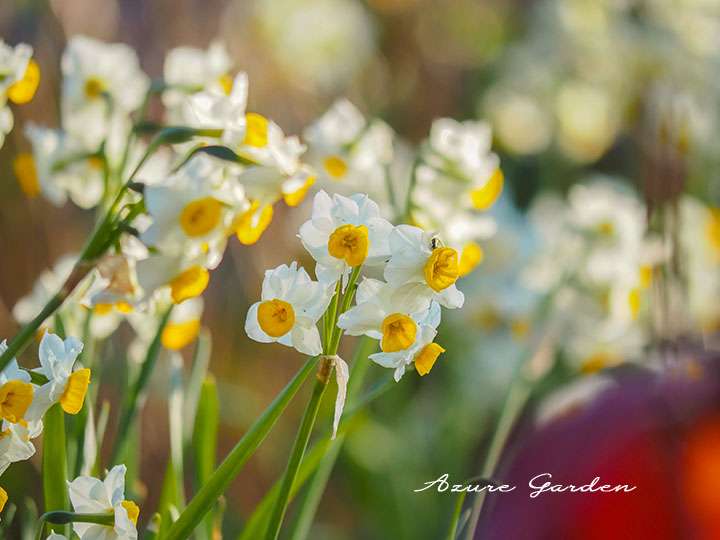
x=215, y=486
x=298, y=450
x=204, y=445
x=137, y=389
x=311, y=410
x=309, y=504
x=54, y=464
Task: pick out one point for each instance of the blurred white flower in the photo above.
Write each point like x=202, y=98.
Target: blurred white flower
x=319, y=43
x=19, y=78
x=193, y=211
x=217, y=108
x=188, y=70
x=184, y=324
x=350, y=154
x=102, y=84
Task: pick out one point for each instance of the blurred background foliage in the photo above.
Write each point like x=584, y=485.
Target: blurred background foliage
x=570, y=87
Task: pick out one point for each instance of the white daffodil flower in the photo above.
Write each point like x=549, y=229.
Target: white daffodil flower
x=391, y=315
x=16, y=392
x=350, y=154
x=423, y=352
x=193, y=211
x=460, y=164
x=290, y=307
x=102, y=83
x=188, y=70
x=216, y=108
x=416, y=257
x=279, y=173
x=93, y=496
x=173, y=278
x=184, y=324
x=345, y=233
x=55, y=170
x=19, y=78
x=16, y=442
x=65, y=385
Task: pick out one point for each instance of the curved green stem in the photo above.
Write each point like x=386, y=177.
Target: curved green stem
x=298, y=450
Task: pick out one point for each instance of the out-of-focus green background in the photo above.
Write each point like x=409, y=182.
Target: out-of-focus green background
x=568, y=87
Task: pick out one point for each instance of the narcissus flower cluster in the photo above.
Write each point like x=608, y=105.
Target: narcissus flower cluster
x=347, y=236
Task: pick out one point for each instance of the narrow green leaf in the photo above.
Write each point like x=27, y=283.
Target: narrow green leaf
x=204, y=444
x=54, y=462
x=257, y=524
x=137, y=390
x=198, y=373
x=296, y=457
x=231, y=466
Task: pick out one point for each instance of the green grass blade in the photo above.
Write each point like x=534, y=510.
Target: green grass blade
x=54, y=463
x=207, y=421
x=137, y=389
x=231, y=466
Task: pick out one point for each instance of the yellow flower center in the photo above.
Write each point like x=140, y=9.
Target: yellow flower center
x=398, y=332
x=276, y=317
x=74, y=395
x=471, y=256
x=349, y=243
x=335, y=166
x=189, y=284
x=94, y=87
x=226, y=83
x=597, y=362
x=425, y=359
x=175, y=336
x=132, y=509
x=256, y=130
x=200, y=216
x=712, y=231
x=3, y=498
x=297, y=196
x=441, y=269
x=634, y=301
x=15, y=398
x=250, y=225
x=103, y=308
x=26, y=173
x=23, y=90
x=646, y=276
x=95, y=163
x=519, y=328
x=485, y=196
x=606, y=228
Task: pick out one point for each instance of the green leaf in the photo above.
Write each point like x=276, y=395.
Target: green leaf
x=137, y=389
x=204, y=445
x=54, y=463
x=231, y=466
